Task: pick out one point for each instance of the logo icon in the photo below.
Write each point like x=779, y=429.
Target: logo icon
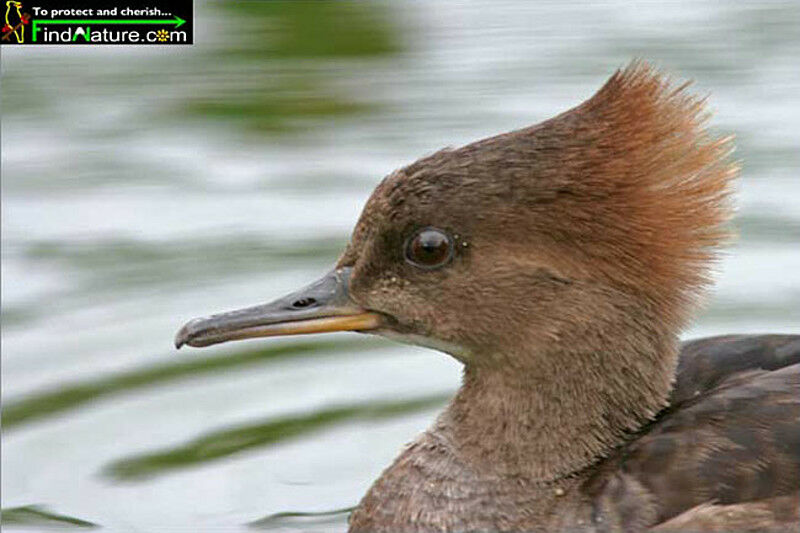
x=15, y=22
x=131, y=22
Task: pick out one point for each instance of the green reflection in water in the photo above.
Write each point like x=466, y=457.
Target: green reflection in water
x=225, y=442
x=30, y=516
x=287, y=28
x=104, y=269
x=109, y=264
x=279, y=105
x=283, y=76
x=49, y=403
x=297, y=519
x=738, y=311
x=767, y=228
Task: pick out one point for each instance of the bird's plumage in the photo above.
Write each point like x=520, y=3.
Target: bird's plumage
x=727, y=445
x=564, y=260
x=723, y=457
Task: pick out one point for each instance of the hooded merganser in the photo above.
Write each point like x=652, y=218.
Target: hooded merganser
x=559, y=263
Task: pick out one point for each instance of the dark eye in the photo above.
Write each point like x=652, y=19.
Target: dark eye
x=429, y=248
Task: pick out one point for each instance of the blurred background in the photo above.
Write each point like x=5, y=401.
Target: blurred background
x=145, y=186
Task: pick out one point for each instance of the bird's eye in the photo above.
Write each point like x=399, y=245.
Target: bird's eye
x=429, y=248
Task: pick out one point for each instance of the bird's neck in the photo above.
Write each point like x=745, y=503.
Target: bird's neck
x=560, y=416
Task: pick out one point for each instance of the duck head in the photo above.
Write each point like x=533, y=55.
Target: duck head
x=612, y=207
x=572, y=251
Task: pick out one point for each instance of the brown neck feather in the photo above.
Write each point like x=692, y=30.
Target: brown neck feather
x=548, y=421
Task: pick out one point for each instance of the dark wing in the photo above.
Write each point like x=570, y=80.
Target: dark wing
x=704, y=364
x=731, y=436
x=775, y=515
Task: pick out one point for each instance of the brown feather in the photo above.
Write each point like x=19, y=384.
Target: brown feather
x=574, y=253
x=583, y=245
x=730, y=436
x=775, y=515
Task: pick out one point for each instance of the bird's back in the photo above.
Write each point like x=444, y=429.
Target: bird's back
x=724, y=456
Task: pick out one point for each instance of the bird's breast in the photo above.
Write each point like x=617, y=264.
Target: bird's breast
x=428, y=488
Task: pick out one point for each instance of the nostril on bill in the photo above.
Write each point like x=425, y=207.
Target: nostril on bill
x=303, y=302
